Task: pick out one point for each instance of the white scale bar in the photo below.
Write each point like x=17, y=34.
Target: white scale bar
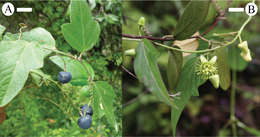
x=235, y=9
x=24, y=9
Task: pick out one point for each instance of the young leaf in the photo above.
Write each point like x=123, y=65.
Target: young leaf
x=17, y=58
x=192, y=18
x=187, y=76
x=236, y=62
x=83, y=31
x=2, y=30
x=104, y=96
x=147, y=71
x=188, y=44
x=80, y=71
x=175, y=61
x=223, y=68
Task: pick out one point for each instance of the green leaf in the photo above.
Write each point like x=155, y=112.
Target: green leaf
x=212, y=14
x=186, y=91
x=104, y=97
x=17, y=58
x=236, y=62
x=83, y=31
x=192, y=19
x=223, y=68
x=2, y=30
x=147, y=71
x=10, y=36
x=40, y=36
x=80, y=71
x=175, y=61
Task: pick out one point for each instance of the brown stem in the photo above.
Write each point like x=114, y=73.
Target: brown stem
x=148, y=37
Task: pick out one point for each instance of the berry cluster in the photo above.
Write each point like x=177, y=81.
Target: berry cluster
x=86, y=111
x=85, y=119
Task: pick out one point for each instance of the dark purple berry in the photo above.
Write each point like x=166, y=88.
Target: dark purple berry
x=64, y=77
x=85, y=122
x=87, y=110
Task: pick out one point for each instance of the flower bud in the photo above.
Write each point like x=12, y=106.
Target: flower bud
x=141, y=21
x=130, y=52
x=246, y=56
x=243, y=46
x=214, y=80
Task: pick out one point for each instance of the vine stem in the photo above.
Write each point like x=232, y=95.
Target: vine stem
x=59, y=86
x=222, y=45
x=65, y=112
x=233, y=103
x=60, y=52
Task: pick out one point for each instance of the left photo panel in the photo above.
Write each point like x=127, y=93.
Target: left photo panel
x=60, y=68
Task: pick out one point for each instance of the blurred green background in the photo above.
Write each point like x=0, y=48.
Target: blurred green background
x=34, y=111
x=205, y=115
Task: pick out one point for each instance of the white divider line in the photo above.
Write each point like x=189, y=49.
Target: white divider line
x=236, y=9
x=24, y=9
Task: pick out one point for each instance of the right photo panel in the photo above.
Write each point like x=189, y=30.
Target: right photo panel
x=191, y=68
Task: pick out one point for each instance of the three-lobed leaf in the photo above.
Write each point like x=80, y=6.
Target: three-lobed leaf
x=192, y=19
x=104, y=96
x=39, y=36
x=83, y=31
x=147, y=71
x=80, y=71
x=17, y=58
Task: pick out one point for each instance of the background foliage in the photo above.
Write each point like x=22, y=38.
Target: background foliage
x=204, y=115
x=44, y=111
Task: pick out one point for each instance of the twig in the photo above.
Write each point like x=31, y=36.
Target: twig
x=220, y=17
x=60, y=52
x=125, y=69
x=233, y=104
x=135, y=99
x=148, y=37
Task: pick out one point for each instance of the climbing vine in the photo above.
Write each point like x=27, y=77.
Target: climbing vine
x=210, y=63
